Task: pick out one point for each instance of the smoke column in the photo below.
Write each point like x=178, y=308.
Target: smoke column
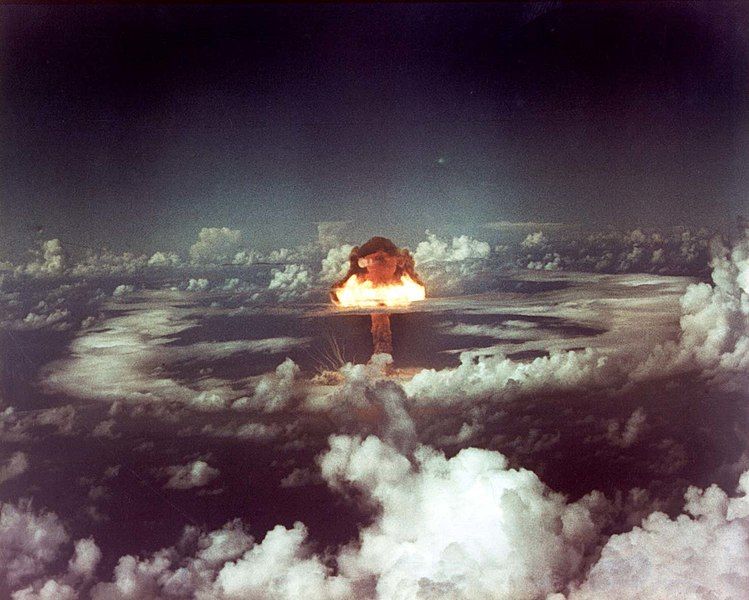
x=382, y=337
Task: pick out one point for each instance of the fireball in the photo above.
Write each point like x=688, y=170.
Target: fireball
x=364, y=293
x=380, y=275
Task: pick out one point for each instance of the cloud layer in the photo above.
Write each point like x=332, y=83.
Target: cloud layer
x=466, y=524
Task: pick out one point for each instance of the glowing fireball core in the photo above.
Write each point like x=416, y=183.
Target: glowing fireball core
x=361, y=292
x=380, y=274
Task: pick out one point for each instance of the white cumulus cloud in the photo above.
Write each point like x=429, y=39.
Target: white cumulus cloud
x=29, y=541
x=195, y=474
x=703, y=553
x=216, y=245
x=466, y=527
x=14, y=466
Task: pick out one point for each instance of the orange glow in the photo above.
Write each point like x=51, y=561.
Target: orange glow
x=360, y=292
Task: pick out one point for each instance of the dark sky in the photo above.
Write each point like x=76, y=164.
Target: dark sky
x=133, y=127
